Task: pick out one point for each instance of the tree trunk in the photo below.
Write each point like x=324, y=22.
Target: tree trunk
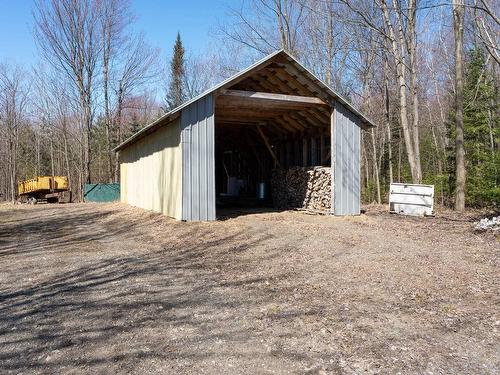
x=281, y=27
x=118, y=131
x=375, y=167
x=413, y=85
x=367, y=169
x=403, y=100
x=400, y=151
x=458, y=31
x=51, y=157
x=37, y=150
x=107, y=114
x=107, y=31
x=388, y=119
x=12, y=174
x=66, y=156
x=83, y=165
x=329, y=45
x=88, y=155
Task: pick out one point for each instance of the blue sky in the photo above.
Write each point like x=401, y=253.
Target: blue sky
x=160, y=20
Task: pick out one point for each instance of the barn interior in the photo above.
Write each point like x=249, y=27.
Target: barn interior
x=270, y=119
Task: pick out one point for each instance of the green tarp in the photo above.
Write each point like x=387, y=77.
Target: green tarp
x=102, y=192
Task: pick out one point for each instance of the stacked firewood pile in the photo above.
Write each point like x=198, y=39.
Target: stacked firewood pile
x=300, y=187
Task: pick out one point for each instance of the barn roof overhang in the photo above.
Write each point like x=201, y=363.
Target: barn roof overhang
x=277, y=88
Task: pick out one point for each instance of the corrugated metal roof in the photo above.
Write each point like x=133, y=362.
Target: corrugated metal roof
x=265, y=61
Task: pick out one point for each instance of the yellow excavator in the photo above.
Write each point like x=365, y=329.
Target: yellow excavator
x=51, y=189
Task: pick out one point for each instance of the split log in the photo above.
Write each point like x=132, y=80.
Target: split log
x=299, y=187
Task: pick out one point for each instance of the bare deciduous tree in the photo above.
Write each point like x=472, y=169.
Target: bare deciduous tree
x=488, y=26
x=113, y=19
x=68, y=34
x=267, y=25
x=13, y=106
x=138, y=65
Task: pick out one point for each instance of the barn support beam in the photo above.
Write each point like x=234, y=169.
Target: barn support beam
x=314, y=151
x=321, y=148
x=304, y=152
x=268, y=145
x=278, y=100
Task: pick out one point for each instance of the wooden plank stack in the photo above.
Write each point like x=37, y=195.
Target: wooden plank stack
x=302, y=187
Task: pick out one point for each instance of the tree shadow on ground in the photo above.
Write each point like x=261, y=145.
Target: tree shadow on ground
x=110, y=311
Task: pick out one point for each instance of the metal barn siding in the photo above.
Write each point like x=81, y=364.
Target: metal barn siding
x=198, y=160
x=346, y=137
x=151, y=172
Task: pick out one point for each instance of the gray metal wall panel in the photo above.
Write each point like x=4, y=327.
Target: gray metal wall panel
x=211, y=151
x=198, y=160
x=346, y=168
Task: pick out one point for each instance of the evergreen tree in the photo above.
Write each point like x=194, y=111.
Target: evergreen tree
x=175, y=94
x=482, y=132
x=135, y=125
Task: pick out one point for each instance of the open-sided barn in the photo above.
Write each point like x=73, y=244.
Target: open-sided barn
x=245, y=139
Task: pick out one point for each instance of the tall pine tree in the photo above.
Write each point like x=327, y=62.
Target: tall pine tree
x=175, y=94
x=482, y=132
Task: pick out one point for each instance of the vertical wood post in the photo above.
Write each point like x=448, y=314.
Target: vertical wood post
x=288, y=153
x=282, y=153
x=321, y=149
x=296, y=150
x=314, y=151
x=304, y=152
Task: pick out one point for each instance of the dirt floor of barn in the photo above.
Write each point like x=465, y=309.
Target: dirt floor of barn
x=111, y=289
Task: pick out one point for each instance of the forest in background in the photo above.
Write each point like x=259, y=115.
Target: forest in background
x=426, y=72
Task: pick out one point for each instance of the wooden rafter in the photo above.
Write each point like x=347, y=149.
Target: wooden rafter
x=320, y=113
x=313, y=117
x=273, y=114
x=286, y=82
x=274, y=95
x=276, y=128
x=298, y=75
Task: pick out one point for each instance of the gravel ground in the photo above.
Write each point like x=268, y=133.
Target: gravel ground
x=106, y=288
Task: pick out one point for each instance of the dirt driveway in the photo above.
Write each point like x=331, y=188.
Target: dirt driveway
x=89, y=288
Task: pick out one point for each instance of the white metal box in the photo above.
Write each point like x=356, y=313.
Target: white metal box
x=411, y=199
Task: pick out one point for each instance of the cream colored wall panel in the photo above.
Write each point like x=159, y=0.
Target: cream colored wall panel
x=151, y=172
x=123, y=185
